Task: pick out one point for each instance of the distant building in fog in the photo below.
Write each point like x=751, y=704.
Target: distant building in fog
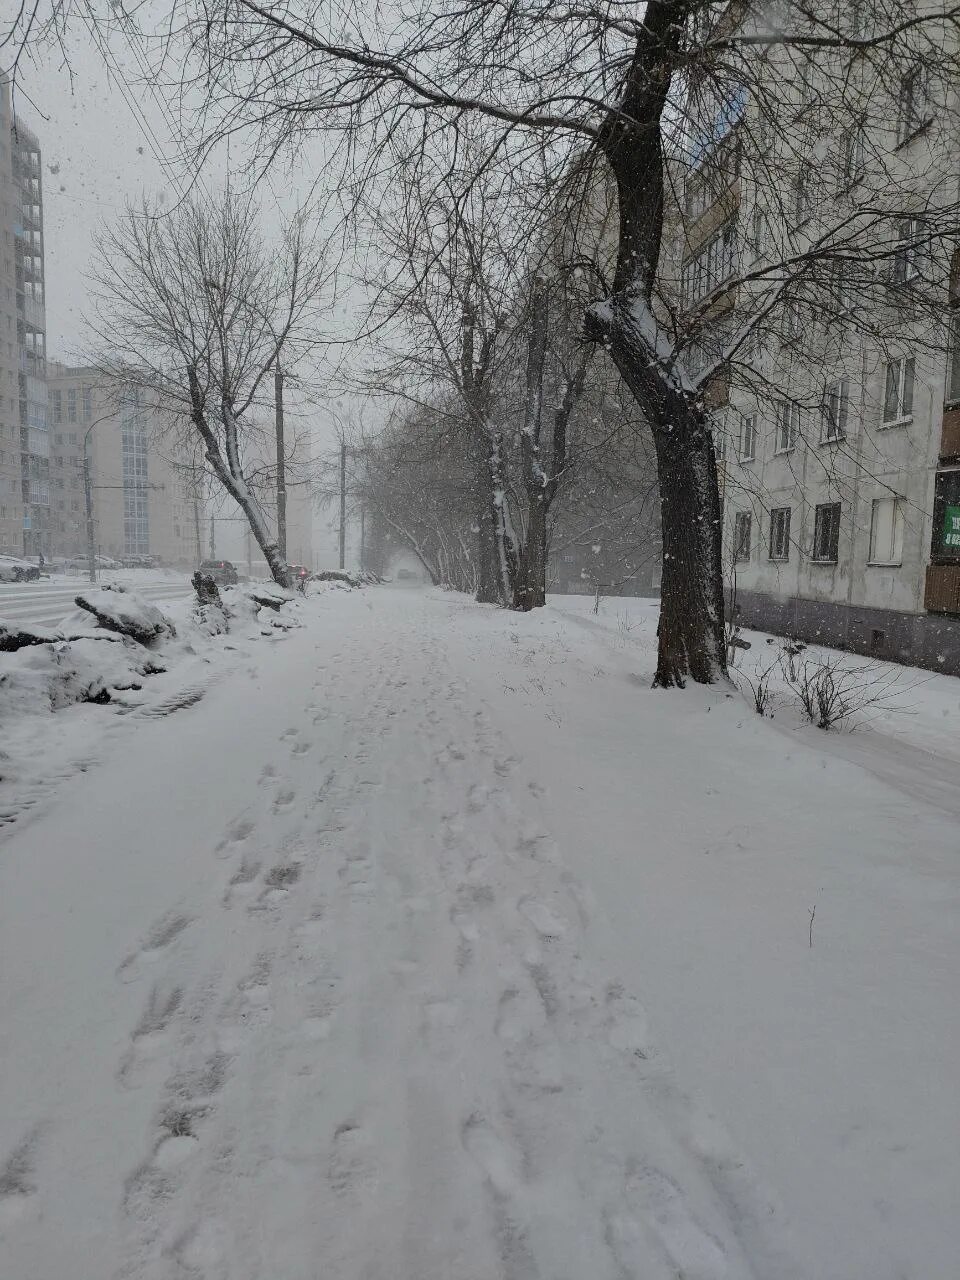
x=146, y=501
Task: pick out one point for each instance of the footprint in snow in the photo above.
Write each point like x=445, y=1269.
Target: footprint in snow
x=352, y=1166
x=500, y=1162
x=238, y=831
x=166, y=930
x=547, y=923
x=151, y=1035
x=17, y=1187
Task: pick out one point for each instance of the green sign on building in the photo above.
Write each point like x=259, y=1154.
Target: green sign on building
x=951, y=527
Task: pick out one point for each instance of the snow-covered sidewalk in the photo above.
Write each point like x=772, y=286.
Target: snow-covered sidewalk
x=431, y=944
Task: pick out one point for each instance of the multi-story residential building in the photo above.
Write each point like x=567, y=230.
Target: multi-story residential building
x=838, y=418
x=25, y=199
x=11, y=485
x=147, y=501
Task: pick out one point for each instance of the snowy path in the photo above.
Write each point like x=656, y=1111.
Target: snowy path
x=306, y=981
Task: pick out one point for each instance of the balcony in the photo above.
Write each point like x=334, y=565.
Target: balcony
x=942, y=590
x=950, y=434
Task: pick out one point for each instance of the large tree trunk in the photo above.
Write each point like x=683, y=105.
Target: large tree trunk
x=531, y=590
x=690, y=634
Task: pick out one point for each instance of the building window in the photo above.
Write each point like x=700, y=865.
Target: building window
x=839, y=289
x=914, y=104
x=836, y=403
x=72, y=404
x=953, y=360
x=886, y=531
x=945, y=544
x=742, y=536
x=804, y=201
x=905, y=263
x=788, y=425
x=826, y=532
x=56, y=399
x=714, y=264
x=852, y=155
x=748, y=438
x=898, y=391
x=86, y=409
x=779, y=534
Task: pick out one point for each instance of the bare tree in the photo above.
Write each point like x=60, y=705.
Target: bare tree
x=196, y=309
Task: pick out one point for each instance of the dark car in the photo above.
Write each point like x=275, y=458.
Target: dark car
x=221, y=571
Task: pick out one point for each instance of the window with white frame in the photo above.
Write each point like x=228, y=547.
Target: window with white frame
x=834, y=410
x=790, y=321
x=742, y=536
x=788, y=425
x=826, y=533
x=840, y=290
x=953, y=359
x=886, y=531
x=779, y=548
x=905, y=263
x=914, y=103
x=803, y=193
x=748, y=438
x=898, y=390
x=853, y=154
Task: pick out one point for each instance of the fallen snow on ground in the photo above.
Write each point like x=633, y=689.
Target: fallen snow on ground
x=432, y=943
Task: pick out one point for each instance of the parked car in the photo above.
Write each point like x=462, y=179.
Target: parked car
x=13, y=569
x=300, y=573
x=221, y=571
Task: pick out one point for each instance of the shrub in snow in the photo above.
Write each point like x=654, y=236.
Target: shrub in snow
x=118, y=609
x=832, y=693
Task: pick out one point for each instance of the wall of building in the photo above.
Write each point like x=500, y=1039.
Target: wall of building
x=142, y=498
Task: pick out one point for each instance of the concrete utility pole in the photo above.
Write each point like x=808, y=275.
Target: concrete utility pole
x=343, y=506
x=196, y=525
x=281, y=462
x=213, y=538
x=88, y=502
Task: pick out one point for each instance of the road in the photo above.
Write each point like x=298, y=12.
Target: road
x=47, y=602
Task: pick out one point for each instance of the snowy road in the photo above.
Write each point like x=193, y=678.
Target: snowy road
x=429, y=946
x=47, y=602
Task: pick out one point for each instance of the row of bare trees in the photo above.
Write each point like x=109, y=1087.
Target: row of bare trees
x=584, y=134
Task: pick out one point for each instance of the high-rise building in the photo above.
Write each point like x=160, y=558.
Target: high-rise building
x=23, y=200
x=11, y=481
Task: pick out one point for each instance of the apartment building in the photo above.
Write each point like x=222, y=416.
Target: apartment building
x=11, y=497
x=26, y=210
x=24, y=439
x=837, y=418
x=146, y=499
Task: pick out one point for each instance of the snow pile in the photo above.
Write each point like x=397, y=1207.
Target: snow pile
x=46, y=670
x=120, y=609
x=56, y=673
